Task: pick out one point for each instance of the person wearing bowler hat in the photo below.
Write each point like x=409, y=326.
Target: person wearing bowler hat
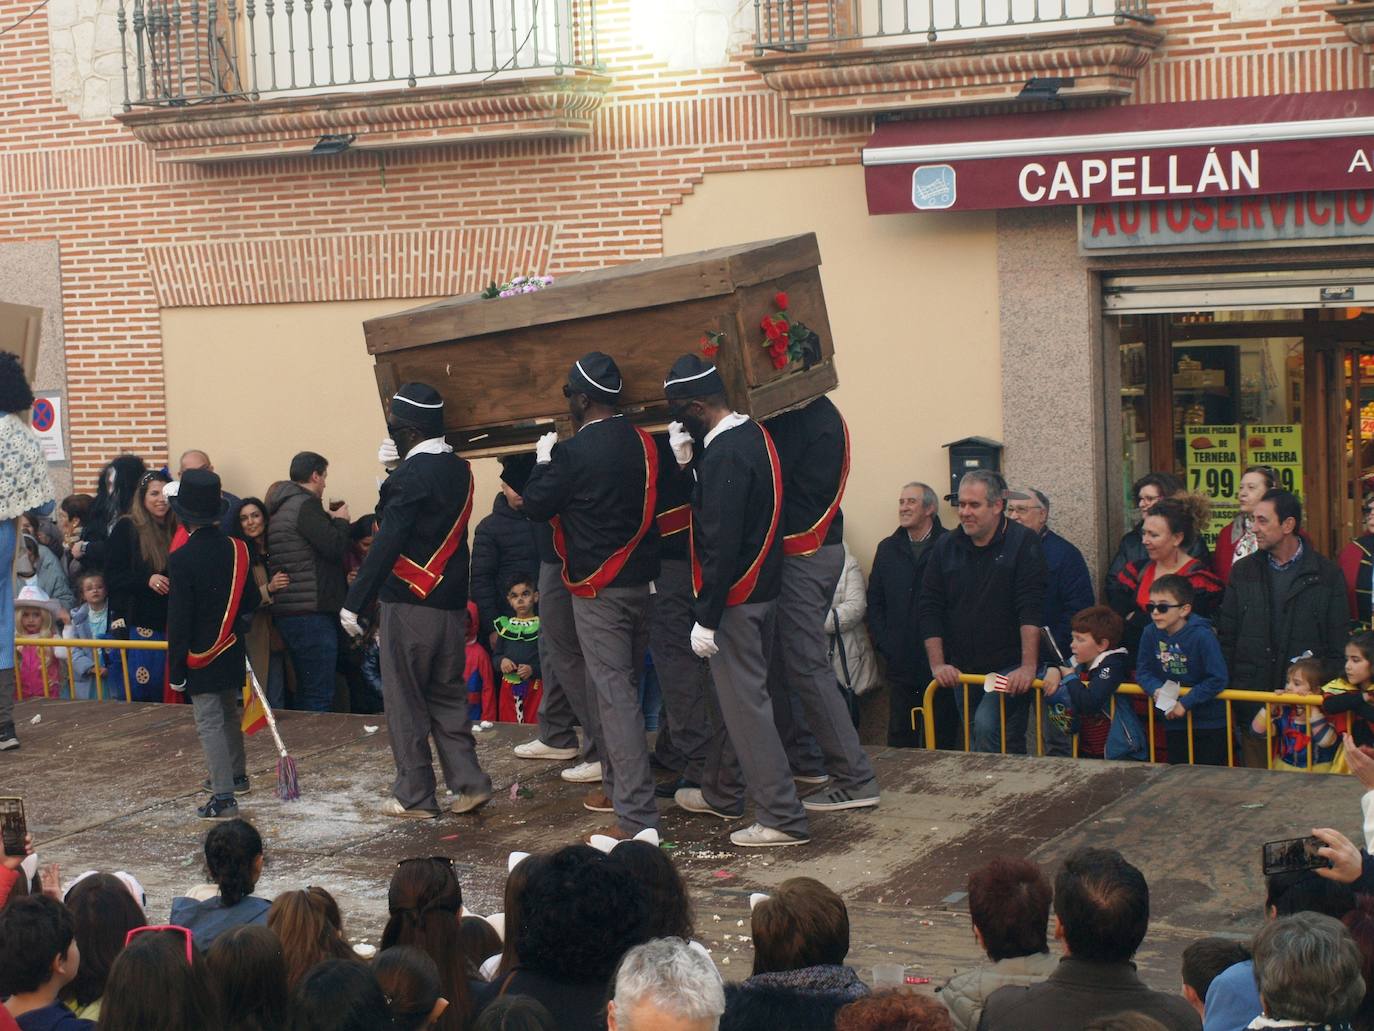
x=599, y=490
x=736, y=556
x=417, y=568
x=208, y=610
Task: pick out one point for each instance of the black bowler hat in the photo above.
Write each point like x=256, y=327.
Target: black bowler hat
x=596, y=375
x=421, y=406
x=198, y=499
x=515, y=471
x=691, y=376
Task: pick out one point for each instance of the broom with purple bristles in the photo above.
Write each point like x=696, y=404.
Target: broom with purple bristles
x=288, y=784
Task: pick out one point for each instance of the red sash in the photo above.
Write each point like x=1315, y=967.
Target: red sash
x=423, y=579
x=226, y=638
x=743, y=587
x=808, y=542
x=675, y=520
x=602, y=576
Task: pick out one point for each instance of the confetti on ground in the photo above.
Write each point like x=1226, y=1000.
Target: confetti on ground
x=723, y=875
x=37, y=719
x=927, y=923
x=515, y=791
x=715, y=917
x=370, y=729
x=525, y=792
x=449, y=837
x=912, y=979
x=1252, y=805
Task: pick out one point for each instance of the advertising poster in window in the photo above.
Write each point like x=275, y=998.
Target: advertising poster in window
x=1280, y=448
x=1214, y=468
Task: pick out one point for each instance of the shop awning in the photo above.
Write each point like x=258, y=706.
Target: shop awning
x=1148, y=152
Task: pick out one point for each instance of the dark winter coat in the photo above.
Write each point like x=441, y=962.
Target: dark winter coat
x=894, y=591
x=126, y=578
x=797, y=1000
x=202, y=572
x=309, y=545
x=1315, y=618
x=1077, y=993
x=1068, y=590
x=978, y=599
x=502, y=545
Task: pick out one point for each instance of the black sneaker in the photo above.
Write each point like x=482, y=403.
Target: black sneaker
x=218, y=809
x=241, y=786
x=8, y=739
x=669, y=788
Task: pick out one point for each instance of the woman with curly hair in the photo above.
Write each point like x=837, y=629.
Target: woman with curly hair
x=897, y=1010
x=580, y=913
x=24, y=485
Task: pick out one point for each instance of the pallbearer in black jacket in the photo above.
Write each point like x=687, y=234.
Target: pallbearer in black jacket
x=418, y=567
x=599, y=489
x=736, y=553
x=206, y=612
x=813, y=447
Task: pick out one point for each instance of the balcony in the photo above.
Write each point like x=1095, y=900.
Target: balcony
x=837, y=58
x=218, y=80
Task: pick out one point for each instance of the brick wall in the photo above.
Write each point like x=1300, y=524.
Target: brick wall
x=135, y=234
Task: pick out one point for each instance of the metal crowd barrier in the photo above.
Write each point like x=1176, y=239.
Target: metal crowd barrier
x=123, y=647
x=926, y=711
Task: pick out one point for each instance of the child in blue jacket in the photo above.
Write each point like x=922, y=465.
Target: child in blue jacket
x=1182, y=647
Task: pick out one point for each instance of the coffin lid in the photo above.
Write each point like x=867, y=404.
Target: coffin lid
x=640, y=284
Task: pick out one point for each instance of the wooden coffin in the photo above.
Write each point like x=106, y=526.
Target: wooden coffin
x=501, y=363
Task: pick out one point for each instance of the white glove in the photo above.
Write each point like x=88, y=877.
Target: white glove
x=681, y=443
x=703, y=641
x=349, y=621
x=543, y=447
x=388, y=455
x=169, y=490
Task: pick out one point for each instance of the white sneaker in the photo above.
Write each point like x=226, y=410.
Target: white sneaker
x=759, y=836
x=391, y=807
x=536, y=749
x=810, y=780
x=583, y=773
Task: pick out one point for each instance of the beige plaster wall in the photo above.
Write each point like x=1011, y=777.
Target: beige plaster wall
x=253, y=385
x=913, y=305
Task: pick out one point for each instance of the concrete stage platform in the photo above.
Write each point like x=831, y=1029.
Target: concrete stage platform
x=114, y=786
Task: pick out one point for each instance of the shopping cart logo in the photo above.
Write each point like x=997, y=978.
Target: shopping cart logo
x=932, y=187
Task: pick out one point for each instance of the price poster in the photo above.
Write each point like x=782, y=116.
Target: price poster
x=1214, y=468
x=1280, y=448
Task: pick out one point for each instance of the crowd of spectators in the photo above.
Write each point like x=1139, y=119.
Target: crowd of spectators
x=594, y=939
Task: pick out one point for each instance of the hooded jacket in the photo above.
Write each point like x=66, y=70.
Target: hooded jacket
x=502, y=545
x=309, y=546
x=1190, y=657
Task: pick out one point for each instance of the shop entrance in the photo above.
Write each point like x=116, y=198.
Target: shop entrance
x=1212, y=379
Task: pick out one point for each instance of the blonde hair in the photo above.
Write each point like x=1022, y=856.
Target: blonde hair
x=48, y=623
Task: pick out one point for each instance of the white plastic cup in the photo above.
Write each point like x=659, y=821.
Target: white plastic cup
x=888, y=975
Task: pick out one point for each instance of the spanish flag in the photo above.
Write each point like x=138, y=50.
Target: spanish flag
x=254, y=715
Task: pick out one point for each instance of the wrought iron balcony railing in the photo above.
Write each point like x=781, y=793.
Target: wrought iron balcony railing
x=794, y=25
x=181, y=52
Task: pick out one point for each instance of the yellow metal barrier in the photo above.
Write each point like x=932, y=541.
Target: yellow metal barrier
x=123, y=647
x=1270, y=701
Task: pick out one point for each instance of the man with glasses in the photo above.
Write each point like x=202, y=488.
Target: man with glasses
x=982, y=602
x=1281, y=602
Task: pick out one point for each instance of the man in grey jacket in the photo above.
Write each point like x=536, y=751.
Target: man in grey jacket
x=308, y=544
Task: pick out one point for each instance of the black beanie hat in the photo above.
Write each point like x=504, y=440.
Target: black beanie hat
x=421, y=406
x=692, y=376
x=596, y=375
x=515, y=471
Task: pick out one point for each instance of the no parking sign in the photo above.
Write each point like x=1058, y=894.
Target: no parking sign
x=47, y=426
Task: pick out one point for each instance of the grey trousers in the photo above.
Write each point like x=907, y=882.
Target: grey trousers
x=802, y=678
x=6, y=696
x=217, y=723
x=683, y=678
x=423, y=656
x=566, y=701
x=744, y=754
x=613, y=629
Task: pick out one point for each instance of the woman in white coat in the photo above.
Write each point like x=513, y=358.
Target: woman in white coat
x=847, y=611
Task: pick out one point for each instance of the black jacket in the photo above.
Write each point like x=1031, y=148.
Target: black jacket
x=308, y=545
x=502, y=545
x=733, y=507
x=202, y=572
x=761, y=1004
x=598, y=487
x=1315, y=618
x=575, y=1006
x=674, y=504
x=426, y=499
x=894, y=588
x=126, y=577
x=977, y=599
x=813, y=448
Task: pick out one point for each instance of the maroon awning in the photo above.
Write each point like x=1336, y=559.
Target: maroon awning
x=1254, y=145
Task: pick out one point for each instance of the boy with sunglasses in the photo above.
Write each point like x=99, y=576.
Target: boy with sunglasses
x=1183, y=647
